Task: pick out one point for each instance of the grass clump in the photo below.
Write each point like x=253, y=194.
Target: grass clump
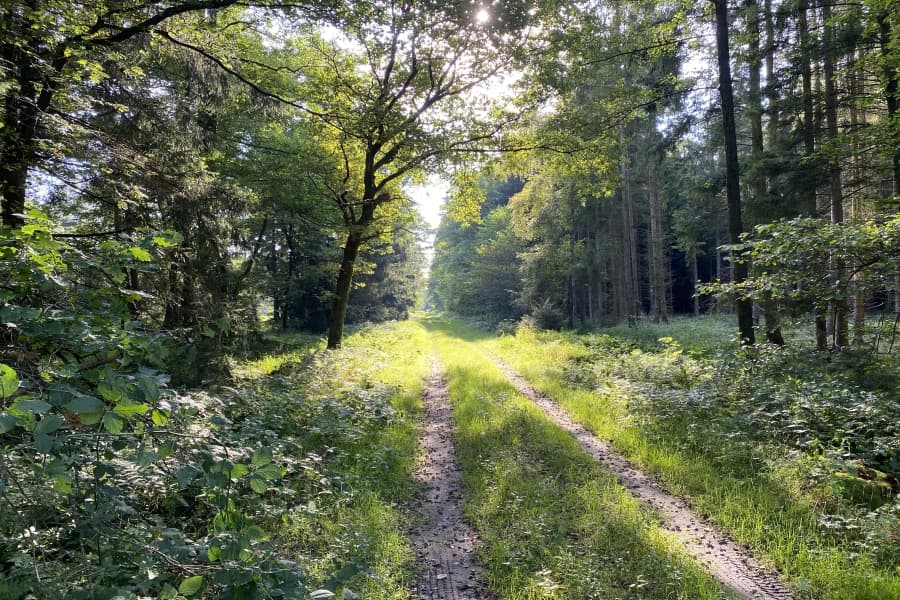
x=789, y=452
x=553, y=522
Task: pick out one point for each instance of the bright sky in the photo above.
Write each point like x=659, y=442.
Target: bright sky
x=429, y=198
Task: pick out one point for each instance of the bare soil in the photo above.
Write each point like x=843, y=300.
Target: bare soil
x=445, y=544
x=735, y=568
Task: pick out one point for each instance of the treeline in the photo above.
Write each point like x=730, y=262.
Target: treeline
x=620, y=211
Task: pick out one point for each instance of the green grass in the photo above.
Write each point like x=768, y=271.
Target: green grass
x=732, y=483
x=554, y=524
x=350, y=416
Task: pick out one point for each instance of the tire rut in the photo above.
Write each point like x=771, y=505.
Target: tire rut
x=445, y=544
x=732, y=566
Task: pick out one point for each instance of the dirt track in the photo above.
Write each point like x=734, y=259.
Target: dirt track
x=445, y=543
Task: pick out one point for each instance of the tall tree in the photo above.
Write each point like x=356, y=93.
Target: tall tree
x=47, y=49
x=401, y=103
x=743, y=307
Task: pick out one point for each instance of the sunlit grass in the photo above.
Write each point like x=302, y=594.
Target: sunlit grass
x=731, y=485
x=348, y=523
x=553, y=522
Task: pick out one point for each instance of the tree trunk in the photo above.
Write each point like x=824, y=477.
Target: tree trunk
x=891, y=90
x=342, y=290
x=17, y=141
x=809, y=143
x=841, y=308
x=658, y=304
x=743, y=307
x=759, y=184
x=693, y=258
x=632, y=286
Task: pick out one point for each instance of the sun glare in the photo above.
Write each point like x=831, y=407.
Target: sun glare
x=483, y=16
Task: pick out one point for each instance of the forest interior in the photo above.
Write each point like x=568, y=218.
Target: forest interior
x=650, y=351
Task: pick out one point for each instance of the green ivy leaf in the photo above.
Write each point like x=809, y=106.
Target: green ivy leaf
x=9, y=382
x=191, y=585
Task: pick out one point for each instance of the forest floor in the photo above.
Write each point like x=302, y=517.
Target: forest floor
x=447, y=544
x=434, y=460
x=655, y=514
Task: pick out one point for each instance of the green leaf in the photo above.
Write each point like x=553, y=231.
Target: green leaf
x=258, y=484
x=129, y=410
x=62, y=483
x=112, y=389
x=165, y=450
x=321, y=595
x=239, y=470
x=48, y=424
x=32, y=405
x=7, y=422
x=43, y=443
x=255, y=533
x=261, y=456
x=140, y=254
x=149, y=388
x=112, y=422
x=191, y=585
x=160, y=417
x=168, y=239
x=270, y=471
x=86, y=405
x=9, y=382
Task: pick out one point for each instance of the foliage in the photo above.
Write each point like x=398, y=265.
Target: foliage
x=119, y=486
x=795, y=262
x=473, y=272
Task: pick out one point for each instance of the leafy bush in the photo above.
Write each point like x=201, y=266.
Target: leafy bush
x=115, y=485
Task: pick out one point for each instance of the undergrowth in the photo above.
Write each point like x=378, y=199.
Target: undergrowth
x=283, y=486
x=793, y=453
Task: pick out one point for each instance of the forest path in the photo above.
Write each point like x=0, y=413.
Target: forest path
x=735, y=568
x=445, y=543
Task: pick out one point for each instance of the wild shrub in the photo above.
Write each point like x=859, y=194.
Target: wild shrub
x=113, y=484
